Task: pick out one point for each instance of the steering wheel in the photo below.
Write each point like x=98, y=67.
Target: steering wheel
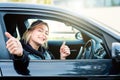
x=88, y=50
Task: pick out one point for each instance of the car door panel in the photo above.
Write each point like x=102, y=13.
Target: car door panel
x=76, y=68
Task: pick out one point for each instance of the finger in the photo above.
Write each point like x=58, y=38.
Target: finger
x=13, y=51
x=63, y=43
x=10, y=44
x=8, y=35
x=11, y=41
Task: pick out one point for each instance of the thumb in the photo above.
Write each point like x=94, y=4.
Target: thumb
x=63, y=43
x=8, y=35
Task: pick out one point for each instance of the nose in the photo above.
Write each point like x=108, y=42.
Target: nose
x=44, y=34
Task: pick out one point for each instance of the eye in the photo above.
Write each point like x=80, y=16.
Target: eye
x=40, y=30
x=47, y=33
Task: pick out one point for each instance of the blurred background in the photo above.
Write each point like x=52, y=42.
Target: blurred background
x=105, y=11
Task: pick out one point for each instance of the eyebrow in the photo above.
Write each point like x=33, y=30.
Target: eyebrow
x=42, y=29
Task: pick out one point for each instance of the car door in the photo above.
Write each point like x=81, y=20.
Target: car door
x=96, y=68
x=72, y=65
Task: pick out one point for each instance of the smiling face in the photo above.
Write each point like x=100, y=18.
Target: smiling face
x=39, y=35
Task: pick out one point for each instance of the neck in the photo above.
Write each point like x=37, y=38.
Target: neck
x=34, y=45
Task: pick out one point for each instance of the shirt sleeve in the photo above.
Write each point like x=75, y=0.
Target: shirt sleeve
x=21, y=63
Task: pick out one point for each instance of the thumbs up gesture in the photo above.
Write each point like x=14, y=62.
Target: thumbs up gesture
x=64, y=51
x=13, y=45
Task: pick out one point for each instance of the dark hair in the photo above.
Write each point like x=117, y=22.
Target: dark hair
x=38, y=22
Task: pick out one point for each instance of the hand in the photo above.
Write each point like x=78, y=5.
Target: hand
x=64, y=51
x=13, y=45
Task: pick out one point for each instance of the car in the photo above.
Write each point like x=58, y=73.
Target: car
x=94, y=47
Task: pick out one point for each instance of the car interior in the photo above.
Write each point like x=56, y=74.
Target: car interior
x=84, y=45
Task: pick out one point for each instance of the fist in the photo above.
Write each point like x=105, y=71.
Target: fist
x=64, y=51
x=13, y=45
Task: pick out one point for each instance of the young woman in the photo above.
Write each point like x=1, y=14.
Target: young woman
x=33, y=45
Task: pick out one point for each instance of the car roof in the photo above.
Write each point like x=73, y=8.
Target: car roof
x=13, y=5
x=29, y=6
x=26, y=5
x=18, y=5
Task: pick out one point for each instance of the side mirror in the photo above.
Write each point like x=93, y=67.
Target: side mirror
x=116, y=50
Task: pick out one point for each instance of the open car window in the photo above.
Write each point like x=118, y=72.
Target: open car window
x=80, y=42
x=59, y=30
